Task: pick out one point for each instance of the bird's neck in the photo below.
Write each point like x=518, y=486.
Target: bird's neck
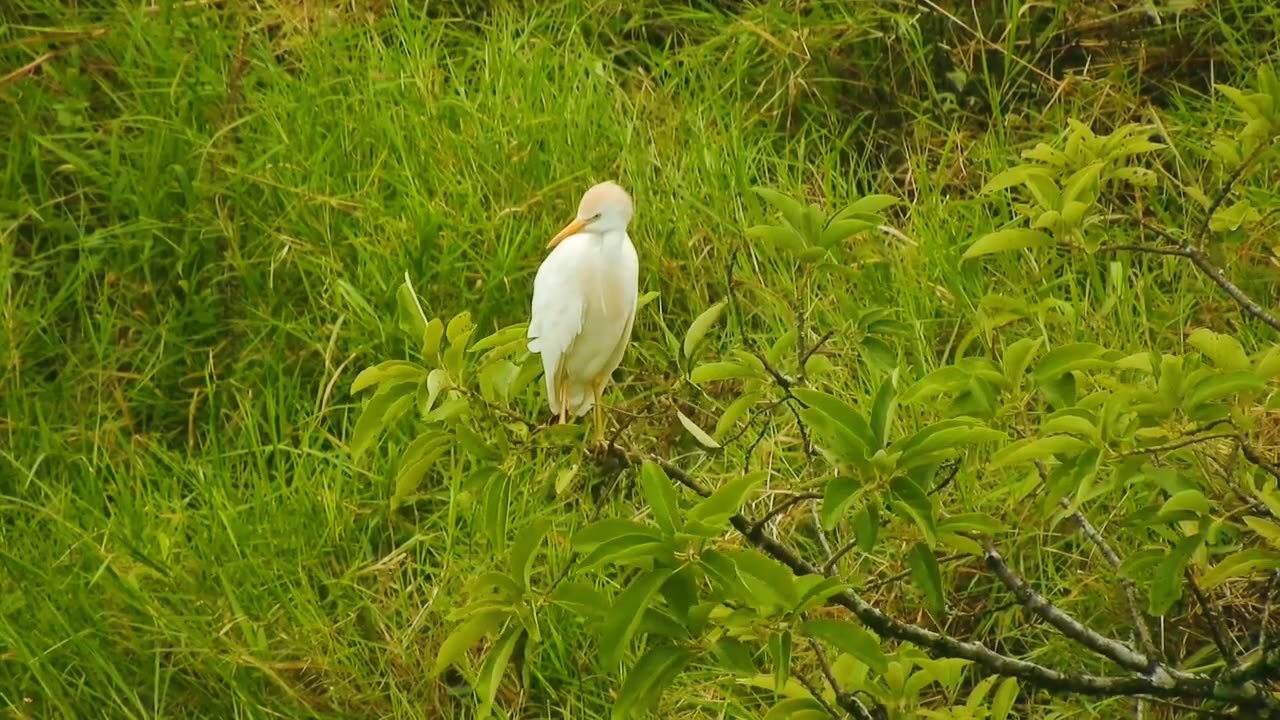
x=611, y=241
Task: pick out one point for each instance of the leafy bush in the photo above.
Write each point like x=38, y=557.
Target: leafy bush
x=1145, y=455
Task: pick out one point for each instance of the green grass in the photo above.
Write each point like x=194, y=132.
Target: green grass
x=205, y=213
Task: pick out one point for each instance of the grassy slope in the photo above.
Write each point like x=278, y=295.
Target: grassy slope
x=204, y=216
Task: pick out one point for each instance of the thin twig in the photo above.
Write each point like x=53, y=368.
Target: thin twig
x=955, y=470
x=1264, y=640
x=1149, y=249
x=847, y=701
x=1185, y=442
x=1145, y=641
x=804, y=360
x=1225, y=191
x=1216, y=628
x=817, y=526
x=786, y=505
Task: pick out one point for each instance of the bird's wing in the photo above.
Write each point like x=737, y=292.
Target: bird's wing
x=559, y=306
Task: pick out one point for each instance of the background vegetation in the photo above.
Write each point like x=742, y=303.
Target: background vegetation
x=208, y=212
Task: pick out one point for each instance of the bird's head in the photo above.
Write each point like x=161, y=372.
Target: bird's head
x=604, y=208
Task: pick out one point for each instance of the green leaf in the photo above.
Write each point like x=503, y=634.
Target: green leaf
x=624, y=616
x=780, y=650
x=700, y=326
x=726, y=501
x=647, y=679
x=1083, y=184
x=495, y=664
x=413, y=321
x=837, y=495
x=970, y=522
x=504, y=336
x=866, y=525
x=431, y=337
x=838, y=230
x=1068, y=422
x=389, y=372
x=1030, y=449
x=421, y=454
x=626, y=549
x=1189, y=500
x=849, y=639
x=1007, y=241
x=1216, y=387
x=791, y=209
x=840, y=411
x=920, y=448
x=1167, y=581
x=581, y=598
x=1231, y=217
x=1002, y=703
x=1075, y=356
x=525, y=549
x=497, y=507
x=698, y=433
x=774, y=575
x=1265, y=528
x=661, y=496
x=1238, y=564
x=784, y=238
x=926, y=575
x=385, y=407
x=1017, y=358
x=1224, y=351
x=733, y=655
x=916, y=505
x=797, y=708
x=1017, y=175
x=465, y=636
x=870, y=204
x=494, y=585
x=883, y=410
x=732, y=414
x=815, y=590
x=602, y=531
x=718, y=371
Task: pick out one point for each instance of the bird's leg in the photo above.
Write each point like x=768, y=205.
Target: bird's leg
x=564, y=403
x=598, y=390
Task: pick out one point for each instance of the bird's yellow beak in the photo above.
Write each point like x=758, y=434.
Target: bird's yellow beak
x=573, y=227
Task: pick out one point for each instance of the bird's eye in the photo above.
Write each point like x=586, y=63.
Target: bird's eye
x=596, y=217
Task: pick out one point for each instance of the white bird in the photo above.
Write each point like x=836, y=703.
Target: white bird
x=584, y=304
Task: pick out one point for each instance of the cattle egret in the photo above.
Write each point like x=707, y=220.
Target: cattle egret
x=584, y=303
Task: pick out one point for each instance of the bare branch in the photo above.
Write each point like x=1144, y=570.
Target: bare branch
x=1225, y=191
x=1202, y=262
x=1126, y=584
x=1169, y=447
x=1149, y=249
x=1264, y=640
x=1161, y=682
x=1218, y=630
x=1118, y=652
x=1252, y=455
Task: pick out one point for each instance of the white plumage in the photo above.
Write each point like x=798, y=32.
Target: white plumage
x=584, y=303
